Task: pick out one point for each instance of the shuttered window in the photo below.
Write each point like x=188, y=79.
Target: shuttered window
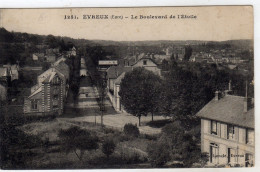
x=214, y=127
x=231, y=132
x=250, y=136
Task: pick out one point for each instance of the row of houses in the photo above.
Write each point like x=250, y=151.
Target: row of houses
x=48, y=95
x=215, y=58
x=52, y=54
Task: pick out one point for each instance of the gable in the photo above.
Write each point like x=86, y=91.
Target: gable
x=145, y=62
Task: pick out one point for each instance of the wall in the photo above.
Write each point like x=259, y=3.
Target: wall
x=150, y=65
x=238, y=144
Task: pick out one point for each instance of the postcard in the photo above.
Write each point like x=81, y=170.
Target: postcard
x=127, y=88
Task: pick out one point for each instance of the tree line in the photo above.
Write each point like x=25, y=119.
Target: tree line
x=181, y=93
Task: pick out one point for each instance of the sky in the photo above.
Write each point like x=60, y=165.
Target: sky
x=215, y=23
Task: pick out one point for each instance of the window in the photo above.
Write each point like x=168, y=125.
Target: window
x=56, y=81
x=249, y=160
x=249, y=136
x=230, y=132
x=55, y=97
x=144, y=62
x=214, y=127
x=232, y=156
x=34, y=104
x=55, y=90
x=213, y=153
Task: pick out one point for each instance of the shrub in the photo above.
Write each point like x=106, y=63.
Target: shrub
x=158, y=153
x=131, y=130
x=76, y=138
x=108, y=147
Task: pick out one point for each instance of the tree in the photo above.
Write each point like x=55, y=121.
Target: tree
x=131, y=130
x=188, y=53
x=108, y=147
x=51, y=41
x=138, y=92
x=176, y=144
x=74, y=139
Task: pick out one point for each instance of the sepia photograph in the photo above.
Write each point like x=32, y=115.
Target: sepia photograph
x=127, y=88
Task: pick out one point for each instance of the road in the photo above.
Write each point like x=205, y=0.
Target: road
x=86, y=104
x=86, y=109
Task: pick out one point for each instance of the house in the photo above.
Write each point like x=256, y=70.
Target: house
x=115, y=74
x=11, y=71
x=38, y=56
x=48, y=95
x=52, y=51
x=72, y=52
x=148, y=63
x=4, y=74
x=117, y=101
x=227, y=130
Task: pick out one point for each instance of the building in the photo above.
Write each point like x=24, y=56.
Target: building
x=11, y=71
x=83, y=68
x=115, y=74
x=72, y=52
x=48, y=95
x=148, y=63
x=50, y=58
x=4, y=74
x=38, y=56
x=227, y=130
x=52, y=51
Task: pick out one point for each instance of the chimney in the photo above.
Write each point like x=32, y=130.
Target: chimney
x=217, y=95
x=229, y=91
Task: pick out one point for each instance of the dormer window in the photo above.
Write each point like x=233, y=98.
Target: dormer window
x=144, y=62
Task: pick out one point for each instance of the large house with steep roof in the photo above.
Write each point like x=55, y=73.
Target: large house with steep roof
x=48, y=95
x=227, y=130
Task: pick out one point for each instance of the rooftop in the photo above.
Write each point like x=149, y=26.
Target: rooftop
x=229, y=109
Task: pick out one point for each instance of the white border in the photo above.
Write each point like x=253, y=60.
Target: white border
x=143, y=3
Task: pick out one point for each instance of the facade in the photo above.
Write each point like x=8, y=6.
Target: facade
x=227, y=131
x=149, y=64
x=48, y=95
x=11, y=71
